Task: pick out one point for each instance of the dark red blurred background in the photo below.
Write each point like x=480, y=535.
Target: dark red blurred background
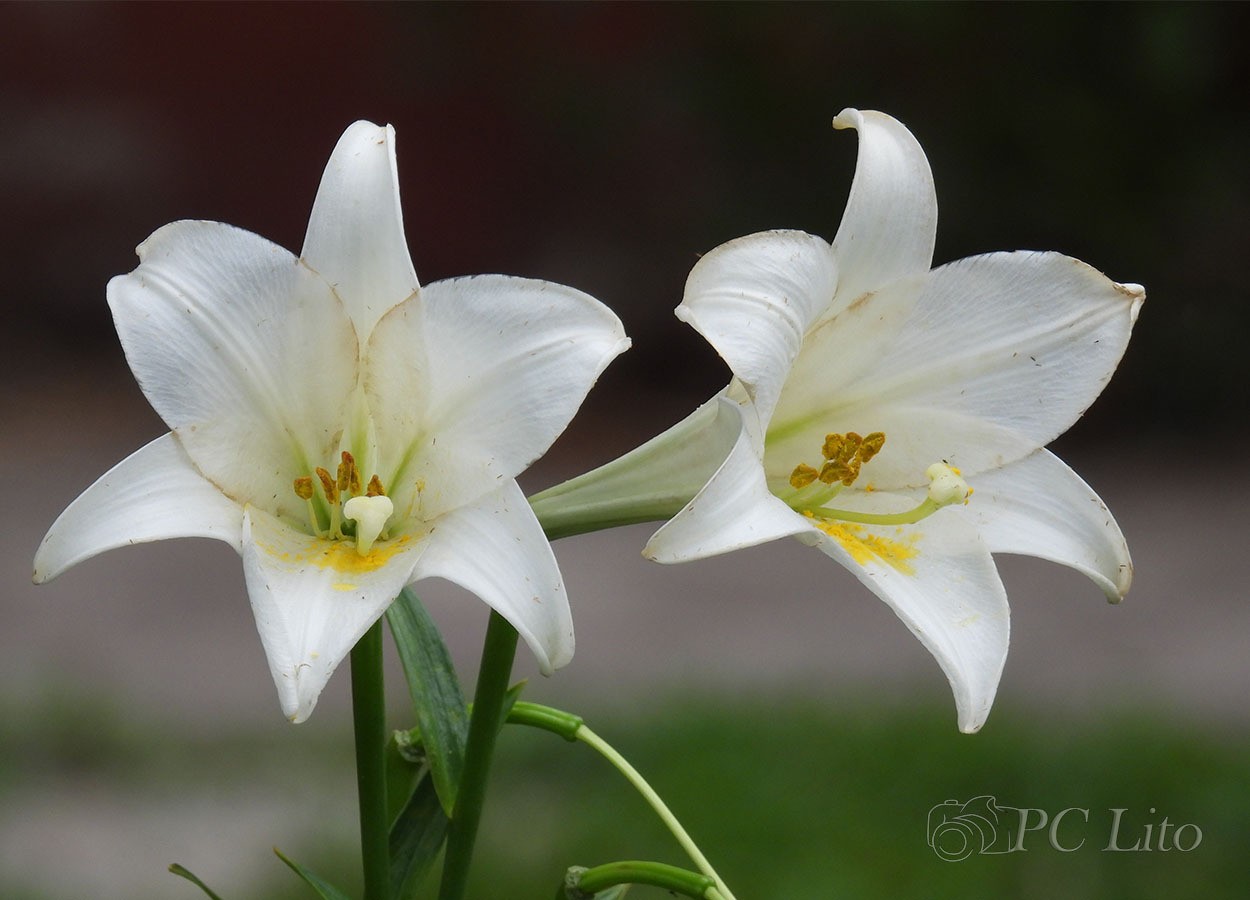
x=606, y=145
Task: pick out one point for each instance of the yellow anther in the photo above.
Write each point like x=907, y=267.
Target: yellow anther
x=349, y=475
x=375, y=488
x=304, y=487
x=835, y=447
x=328, y=485
x=802, y=476
x=845, y=471
x=871, y=446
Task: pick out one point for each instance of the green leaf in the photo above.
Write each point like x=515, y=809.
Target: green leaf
x=182, y=872
x=441, y=711
x=613, y=893
x=324, y=889
x=416, y=839
x=405, y=766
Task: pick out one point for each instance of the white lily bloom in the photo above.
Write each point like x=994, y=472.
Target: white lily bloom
x=345, y=429
x=871, y=395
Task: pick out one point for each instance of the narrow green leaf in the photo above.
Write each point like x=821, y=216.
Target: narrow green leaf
x=405, y=766
x=614, y=893
x=182, y=872
x=324, y=889
x=416, y=839
x=441, y=711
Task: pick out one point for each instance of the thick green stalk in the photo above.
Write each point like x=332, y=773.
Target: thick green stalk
x=369, y=718
x=498, y=651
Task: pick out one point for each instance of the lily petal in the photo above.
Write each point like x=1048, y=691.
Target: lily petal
x=734, y=509
x=835, y=354
x=890, y=224
x=313, y=600
x=479, y=376
x=496, y=549
x=1037, y=506
x=153, y=494
x=1025, y=339
x=1001, y=354
x=216, y=322
x=939, y=578
x=355, y=236
x=754, y=298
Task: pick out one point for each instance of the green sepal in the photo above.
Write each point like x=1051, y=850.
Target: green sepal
x=324, y=889
x=182, y=872
x=417, y=836
x=441, y=711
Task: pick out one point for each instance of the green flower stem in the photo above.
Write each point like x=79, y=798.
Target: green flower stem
x=498, y=651
x=369, y=718
x=588, y=737
x=671, y=878
x=571, y=727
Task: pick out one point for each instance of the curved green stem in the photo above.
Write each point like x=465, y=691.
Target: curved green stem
x=588, y=737
x=571, y=727
x=661, y=875
x=498, y=652
x=369, y=720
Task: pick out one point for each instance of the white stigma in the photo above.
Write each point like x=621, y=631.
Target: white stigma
x=945, y=485
x=370, y=515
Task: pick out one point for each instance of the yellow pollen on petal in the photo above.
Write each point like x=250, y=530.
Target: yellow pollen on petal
x=865, y=547
x=343, y=558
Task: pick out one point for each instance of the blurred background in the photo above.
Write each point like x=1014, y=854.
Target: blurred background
x=802, y=733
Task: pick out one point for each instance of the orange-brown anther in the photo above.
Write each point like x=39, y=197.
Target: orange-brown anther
x=349, y=475
x=304, y=487
x=839, y=470
x=328, y=485
x=871, y=446
x=375, y=488
x=833, y=446
x=802, y=476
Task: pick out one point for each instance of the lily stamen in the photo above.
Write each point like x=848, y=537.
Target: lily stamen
x=366, y=520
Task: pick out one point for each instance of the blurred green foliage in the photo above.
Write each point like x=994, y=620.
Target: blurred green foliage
x=789, y=798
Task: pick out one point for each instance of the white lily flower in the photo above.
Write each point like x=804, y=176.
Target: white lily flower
x=872, y=397
x=345, y=429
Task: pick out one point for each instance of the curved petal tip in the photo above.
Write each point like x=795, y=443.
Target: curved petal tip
x=848, y=118
x=1136, y=295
